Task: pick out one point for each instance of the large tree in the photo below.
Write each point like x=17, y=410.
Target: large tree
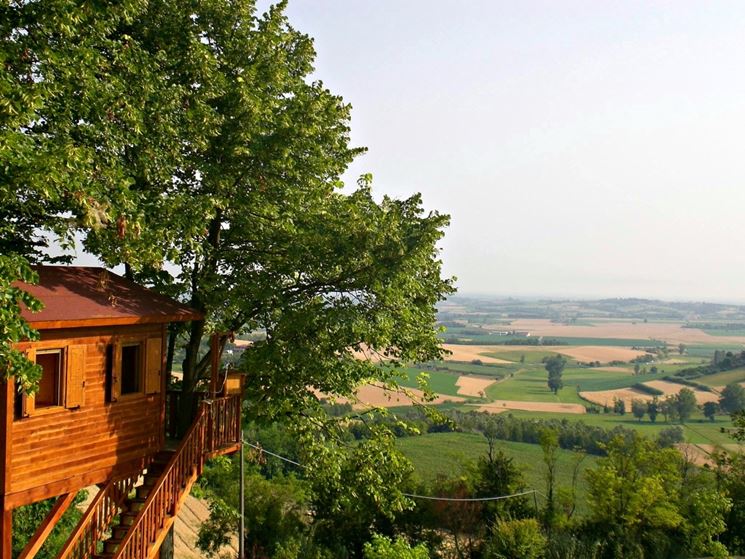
x=187, y=140
x=253, y=228
x=555, y=367
x=76, y=93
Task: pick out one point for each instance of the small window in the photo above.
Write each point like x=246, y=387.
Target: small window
x=131, y=370
x=50, y=385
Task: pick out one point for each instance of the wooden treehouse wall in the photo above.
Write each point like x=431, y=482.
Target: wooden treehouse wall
x=97, y=431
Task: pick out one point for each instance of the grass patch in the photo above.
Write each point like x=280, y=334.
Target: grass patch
x=725, y=331
x=446, y=453
x=439, y=381
x=724, y=378
x=529, y=384
x=697, y=430
x=531, y=355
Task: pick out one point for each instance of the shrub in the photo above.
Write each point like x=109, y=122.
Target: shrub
x=641, y=387
x=670, y=436
x=381, y=547
x=515, y=539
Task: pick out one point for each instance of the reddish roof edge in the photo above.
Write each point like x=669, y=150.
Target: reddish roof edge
x=119, y=321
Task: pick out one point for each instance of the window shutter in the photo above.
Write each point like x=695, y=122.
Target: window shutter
x=116, y=371
x=28, y=401
x=154, y=366
x=75, y=379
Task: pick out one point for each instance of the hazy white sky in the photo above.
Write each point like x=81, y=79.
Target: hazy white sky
x=582, y=148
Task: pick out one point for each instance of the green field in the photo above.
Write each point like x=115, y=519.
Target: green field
x=698, y=430
x=725, y=331
x=441, y=382
x=466, y=368
x=529, y=384
x=444, y=454
x=723, y=378
x=531, y=355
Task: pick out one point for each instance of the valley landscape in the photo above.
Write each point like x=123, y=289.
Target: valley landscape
x=625, y=350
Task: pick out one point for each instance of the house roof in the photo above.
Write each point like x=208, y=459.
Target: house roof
x=76, y=297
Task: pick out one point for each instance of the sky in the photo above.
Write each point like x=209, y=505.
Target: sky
x=582, y=149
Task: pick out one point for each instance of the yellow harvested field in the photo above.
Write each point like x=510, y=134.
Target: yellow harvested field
x=700, y=454
x=672, y=333
x=499, y=406
x=473, y=386
x=673, y=388
x=377, y=396
x=604, y=354
x=471, y=352
x=606, y=397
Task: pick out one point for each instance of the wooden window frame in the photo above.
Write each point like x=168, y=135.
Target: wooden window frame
x=150, y=367
x=60, y=383
x=139, y=373
x=71, y=370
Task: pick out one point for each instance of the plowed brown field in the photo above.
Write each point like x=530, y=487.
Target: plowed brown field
x=672, y=333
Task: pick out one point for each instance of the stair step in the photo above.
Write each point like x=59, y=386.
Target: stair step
x=111, y=545
x=135, y=505
x=119, y=532
x=127, y=518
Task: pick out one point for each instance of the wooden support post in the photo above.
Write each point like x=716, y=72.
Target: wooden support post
x=6, y=530
x=7, y=395
x=45, y=528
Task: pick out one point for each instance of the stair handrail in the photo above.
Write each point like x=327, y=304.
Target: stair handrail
x=96, y=520
x=186, y=462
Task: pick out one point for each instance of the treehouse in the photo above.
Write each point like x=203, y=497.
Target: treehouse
x=99, y=415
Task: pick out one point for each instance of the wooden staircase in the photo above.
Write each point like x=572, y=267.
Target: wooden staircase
x=128, y=520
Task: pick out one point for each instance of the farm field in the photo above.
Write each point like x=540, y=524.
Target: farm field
x=444, y=453
x=722, y=379
x=670, y=332
x=497, y=378
x=697, y=430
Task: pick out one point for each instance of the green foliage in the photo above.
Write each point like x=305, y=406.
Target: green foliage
x=499, y=474
x=13, y=328
x=704, y=511
x=26, y=520
x=670, y=436
x=646, y=389
x=731, y=477
x=355, y=491
x=638, y=505
x=685, y=404
x=515, y=539
x=638, y=408
x=710, y=410
x=381, y=547
x=733, y=398
x=276, y=510
x=555, y=366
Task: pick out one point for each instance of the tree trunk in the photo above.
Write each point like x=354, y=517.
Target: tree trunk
x=186, y=403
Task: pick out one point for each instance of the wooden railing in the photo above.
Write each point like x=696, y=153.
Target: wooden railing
x=224, y=427
x=215, y=426
x=95, y=522
x=173, y=409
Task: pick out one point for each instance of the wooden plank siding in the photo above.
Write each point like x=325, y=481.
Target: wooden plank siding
x=87, y=439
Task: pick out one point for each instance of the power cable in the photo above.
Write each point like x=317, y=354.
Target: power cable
x=414, y=495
